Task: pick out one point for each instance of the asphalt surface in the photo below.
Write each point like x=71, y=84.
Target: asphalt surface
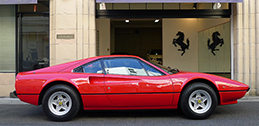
x=14, y=112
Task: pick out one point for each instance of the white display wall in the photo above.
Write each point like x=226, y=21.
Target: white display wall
x=192, y=60
x=219, y=62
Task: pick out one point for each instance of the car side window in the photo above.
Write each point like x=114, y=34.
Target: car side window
x=124, y=66
x=151, y=71
x=93, y=67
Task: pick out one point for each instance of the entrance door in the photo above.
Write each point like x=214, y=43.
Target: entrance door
x=33, y=41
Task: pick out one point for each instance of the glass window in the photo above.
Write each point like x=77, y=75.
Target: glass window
x=33, y=35
x=124, y=66
x=34, y=41
x=94, y=67
x=152, y=71
x=166, y=69
x=7, y=38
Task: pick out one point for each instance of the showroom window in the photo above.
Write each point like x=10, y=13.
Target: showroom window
x=33, y=36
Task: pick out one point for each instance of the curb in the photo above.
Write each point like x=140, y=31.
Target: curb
x=14, y=101
x=249, y=99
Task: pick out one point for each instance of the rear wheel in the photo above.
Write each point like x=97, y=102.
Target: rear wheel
x=198, y=101
x=61, y=103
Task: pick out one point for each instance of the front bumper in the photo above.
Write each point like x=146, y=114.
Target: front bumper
x=248, y=89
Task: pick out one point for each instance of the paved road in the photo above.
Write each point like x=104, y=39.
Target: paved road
x=243, y=113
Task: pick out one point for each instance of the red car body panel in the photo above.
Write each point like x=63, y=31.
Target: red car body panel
x=116, y=92
x=32, y=99
x=138, y=90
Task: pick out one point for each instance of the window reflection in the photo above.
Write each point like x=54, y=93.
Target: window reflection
x=35, y=41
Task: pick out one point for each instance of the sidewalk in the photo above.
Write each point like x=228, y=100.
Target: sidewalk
x=15, y=101
x=249, y=99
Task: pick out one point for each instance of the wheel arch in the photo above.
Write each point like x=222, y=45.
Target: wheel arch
x=46, y=87
x=209, y=83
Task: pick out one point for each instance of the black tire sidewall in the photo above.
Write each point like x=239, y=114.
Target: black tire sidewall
x=184, y=105
x=75, y=103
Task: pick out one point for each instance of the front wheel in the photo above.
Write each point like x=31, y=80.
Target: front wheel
x=198, y=101
x=61, y=103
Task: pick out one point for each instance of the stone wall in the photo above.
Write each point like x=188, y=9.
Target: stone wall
x=7, y=81
x=72, y=30
x=246, y=43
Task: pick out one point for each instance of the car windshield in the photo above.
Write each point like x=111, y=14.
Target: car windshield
x=166, y=69
x=156, y=52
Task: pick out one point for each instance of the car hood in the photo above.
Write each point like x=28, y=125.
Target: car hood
x=223, y=84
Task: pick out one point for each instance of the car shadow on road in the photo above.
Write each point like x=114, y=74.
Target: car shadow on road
x=129, y=113
x=220, y=112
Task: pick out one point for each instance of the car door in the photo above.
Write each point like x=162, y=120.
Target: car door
x=127, y=84
x=157, y=87
x=90, y=80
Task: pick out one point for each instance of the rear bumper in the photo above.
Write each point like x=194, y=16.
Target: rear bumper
x=29, y=98
x=14, y=92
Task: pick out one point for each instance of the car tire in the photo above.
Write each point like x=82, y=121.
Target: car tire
x=61, y=103
x=198, y=101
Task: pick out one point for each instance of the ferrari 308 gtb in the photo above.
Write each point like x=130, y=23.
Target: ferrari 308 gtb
x=124, y=82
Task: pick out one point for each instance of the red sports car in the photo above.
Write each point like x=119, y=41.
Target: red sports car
x=123, y=82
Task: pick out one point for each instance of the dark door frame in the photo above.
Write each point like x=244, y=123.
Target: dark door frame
x=174, y=13
x=224, y=13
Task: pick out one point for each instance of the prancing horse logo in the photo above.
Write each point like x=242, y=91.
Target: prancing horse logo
x=216, y=42
x=180, y=42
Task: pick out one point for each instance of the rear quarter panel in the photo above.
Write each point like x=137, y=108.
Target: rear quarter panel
x=30, y=86
x=26, y=84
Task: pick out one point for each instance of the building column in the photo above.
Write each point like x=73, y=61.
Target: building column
x=72, y=30
x=246, y=44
